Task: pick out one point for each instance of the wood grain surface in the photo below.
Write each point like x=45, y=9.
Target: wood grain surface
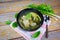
x=16, y=6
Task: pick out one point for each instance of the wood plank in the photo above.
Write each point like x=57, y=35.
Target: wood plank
x=16, y=6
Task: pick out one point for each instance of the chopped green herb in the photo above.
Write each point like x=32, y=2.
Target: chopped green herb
x=28, y=16
x=14, y=25
x=36, y=34
x=8, y=22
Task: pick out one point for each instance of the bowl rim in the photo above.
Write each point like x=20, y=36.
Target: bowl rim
x=30, y=10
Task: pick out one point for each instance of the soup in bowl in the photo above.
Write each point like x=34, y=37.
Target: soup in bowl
x=30, y=19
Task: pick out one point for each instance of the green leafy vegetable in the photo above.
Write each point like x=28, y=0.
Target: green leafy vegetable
x=14, y=25
x=8, y=22
x=43, y=8
x=35, y=35
x=32, y=6
x=16, y=15
x=28, y=16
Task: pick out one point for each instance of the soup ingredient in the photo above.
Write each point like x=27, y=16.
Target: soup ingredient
x=28, y=16
x=14, y=25
x=30, y=21
x=36, y=34
x=26, y=23
x=33, y=24
x=43, y=8
x=8, y=22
